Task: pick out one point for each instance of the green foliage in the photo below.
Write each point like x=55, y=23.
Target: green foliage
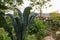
x=20, y=1
x=9, y=21
x=5, y=25
x=8, y=4
x=1, y=19
x=54, y=16
x=11, y=1
x=19, y=23
x=41, y=24
x=2, y=6
x=1, y=37
x=55, y=20
x=40, y=4
x=31, y=37
x=39, y=28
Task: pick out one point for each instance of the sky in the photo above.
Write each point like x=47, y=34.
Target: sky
x=55, y=6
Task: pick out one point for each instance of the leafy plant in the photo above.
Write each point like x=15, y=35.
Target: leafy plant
x=55, y=21
x=1, y=37
x=20, y=23
x=39, y=28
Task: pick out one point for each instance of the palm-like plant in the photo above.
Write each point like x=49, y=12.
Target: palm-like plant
x=20, y=23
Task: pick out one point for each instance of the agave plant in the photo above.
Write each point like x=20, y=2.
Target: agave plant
x=20, y=23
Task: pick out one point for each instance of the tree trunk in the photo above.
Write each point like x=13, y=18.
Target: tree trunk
x=40, y=13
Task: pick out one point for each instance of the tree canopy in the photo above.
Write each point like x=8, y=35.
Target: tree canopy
x=41, y=4
x=5, y=4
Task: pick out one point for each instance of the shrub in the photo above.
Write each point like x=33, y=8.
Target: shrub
x=39, y=28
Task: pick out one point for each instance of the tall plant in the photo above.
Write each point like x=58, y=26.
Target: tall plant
x=20, y=23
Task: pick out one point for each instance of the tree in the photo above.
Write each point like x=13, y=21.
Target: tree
x=9, y=4
x=40, y=4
